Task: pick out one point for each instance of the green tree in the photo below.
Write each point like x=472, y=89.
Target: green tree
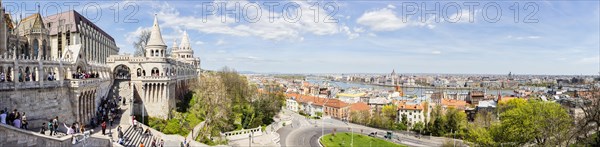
x=456, y=121
x=543, y=123
x=404, y=121
x=480, y=136
x=390, y=113
x=418, y=127
x=319, y=114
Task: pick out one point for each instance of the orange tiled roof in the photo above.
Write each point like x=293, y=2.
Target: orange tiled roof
x=360, y=106
x=336, y=103
x=454, y=103
x=403, y=106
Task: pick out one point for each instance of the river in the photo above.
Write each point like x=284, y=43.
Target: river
x=419, y=91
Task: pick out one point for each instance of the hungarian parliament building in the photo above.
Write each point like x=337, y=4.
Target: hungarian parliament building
x=64, y=65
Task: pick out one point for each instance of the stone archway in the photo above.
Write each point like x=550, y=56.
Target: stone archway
x=122, y=72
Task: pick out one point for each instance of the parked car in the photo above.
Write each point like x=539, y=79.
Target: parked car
x=389, y=135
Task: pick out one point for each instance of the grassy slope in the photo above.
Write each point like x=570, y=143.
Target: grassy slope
x=344, y=139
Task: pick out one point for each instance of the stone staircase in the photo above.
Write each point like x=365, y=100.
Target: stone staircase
x=133, y=138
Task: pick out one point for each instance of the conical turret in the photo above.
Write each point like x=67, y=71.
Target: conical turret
x=185, y=42
x=155, y=35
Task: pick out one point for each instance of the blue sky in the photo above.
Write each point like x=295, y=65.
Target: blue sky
x=559, y=37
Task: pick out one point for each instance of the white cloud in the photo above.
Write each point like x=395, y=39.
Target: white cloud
x=131, y=37
x=385, y=19
x=351, y=35
x=220, y=42
x=463, y=16
x=278, y=29
x=590, y=60
x=391, y=6
x=199, y=43
x=381, y=20
x=522, y=37
x=436, y=52
x=358, y=29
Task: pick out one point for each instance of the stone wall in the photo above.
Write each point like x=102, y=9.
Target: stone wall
x=40, y=105
x=10, y=136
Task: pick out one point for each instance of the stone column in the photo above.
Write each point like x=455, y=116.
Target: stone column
x=164, y=97
x=154, y=89
x=78, y=106
x=86, y=108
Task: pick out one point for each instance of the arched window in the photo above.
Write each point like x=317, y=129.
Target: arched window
x=139, y=72
x=155, y=72
x=36, y=47
x=44, y=50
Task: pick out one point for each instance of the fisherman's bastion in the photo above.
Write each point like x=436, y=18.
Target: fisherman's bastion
x=64, y=66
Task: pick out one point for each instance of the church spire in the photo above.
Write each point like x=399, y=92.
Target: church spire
x=185, y=42
x=155, y=36
x=175, y=46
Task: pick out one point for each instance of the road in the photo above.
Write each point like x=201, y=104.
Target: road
x=303, y=132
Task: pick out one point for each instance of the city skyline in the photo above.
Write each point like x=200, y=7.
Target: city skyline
x=369, y=37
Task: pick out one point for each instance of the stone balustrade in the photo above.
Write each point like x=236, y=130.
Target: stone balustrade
x=86, y=82
x=242, y=134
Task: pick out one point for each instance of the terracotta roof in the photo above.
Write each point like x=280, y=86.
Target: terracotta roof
x=402, y=105
x=360, y=106
x=336, y=103
x=454, y=103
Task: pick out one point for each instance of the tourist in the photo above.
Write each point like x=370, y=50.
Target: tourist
x=82, y=128
x=24, y=120
x=17, y=123
x=70, y=130
x=43, y=129
x=134, y=122
x=51, y=127
x=55, y=122
x=141, y=144
x=120, y=134
x=162, y=143
x=110, y=119
x=103, y=128
x=147, y=132
x=76, y=124
x=11, y=117
x=2, y=77
x=153, y=143
x=121, y=142
x=2, y=117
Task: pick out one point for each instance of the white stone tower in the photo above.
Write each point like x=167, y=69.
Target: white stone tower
x=184, y=51
x=156, y=46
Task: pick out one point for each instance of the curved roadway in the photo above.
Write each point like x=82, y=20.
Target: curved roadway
x=304, y=132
